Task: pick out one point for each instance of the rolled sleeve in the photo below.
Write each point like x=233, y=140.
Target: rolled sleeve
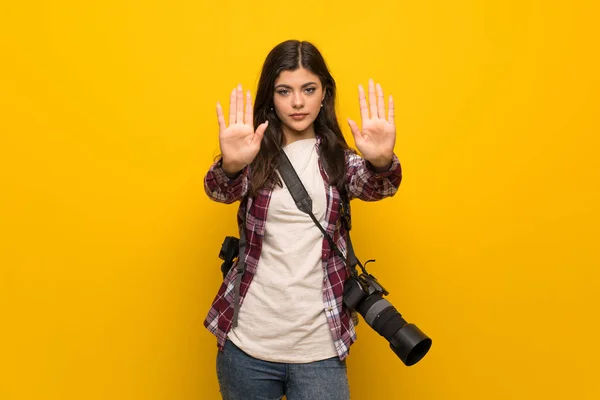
x=219, y=187
x=365, y=183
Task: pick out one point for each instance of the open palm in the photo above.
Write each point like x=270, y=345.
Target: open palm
x=239, y=142
x=377, y=137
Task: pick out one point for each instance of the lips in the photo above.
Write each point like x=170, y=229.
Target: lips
x=298, y=116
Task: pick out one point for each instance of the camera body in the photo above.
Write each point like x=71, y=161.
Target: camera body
x=229, y=251
x=363, y=293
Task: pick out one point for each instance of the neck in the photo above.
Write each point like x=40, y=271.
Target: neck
x=292, y=135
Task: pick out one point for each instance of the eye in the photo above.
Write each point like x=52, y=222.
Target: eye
x=311, y=90
x=283, y=92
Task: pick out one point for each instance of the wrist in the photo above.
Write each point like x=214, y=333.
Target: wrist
x=381, y=164
x=232, y=170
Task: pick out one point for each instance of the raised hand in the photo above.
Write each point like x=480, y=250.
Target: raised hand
x=378, y=135
x=239, y=141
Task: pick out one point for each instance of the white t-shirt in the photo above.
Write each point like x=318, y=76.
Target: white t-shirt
x=282, y=318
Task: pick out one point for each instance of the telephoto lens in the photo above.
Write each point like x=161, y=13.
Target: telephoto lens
x=406, y=340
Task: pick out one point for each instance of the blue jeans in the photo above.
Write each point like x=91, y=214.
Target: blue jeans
x=242, y=377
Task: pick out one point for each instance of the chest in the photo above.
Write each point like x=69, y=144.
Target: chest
x=277, y=204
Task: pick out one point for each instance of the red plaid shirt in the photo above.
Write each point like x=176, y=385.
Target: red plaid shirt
x=361, y=182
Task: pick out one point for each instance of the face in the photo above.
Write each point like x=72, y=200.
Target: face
x=297, y=101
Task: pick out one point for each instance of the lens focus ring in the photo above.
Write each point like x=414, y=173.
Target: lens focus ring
x=375, y=310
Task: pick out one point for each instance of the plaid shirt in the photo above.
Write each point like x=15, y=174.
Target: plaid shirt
x=361, y=182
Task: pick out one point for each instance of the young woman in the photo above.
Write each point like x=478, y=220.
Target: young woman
x=281, y=325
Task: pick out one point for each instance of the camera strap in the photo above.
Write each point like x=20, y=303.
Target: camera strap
x=240, y=268
x=304, y=204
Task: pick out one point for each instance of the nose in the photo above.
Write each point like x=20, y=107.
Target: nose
x=298, y=101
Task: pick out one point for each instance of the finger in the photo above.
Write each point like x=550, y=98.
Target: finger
x=248, y=117
x=260, y=131
x=380, y=102
x=362, y=100
x=239, y=117
x=220, y=118
x=354, y=128
x=232, y=105
x=372, y=99
x=391, y=116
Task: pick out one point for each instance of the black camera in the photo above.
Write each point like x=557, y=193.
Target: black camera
x=364, y=294
x=229, y=251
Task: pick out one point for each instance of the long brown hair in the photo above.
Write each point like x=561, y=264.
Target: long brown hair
x=289, y=56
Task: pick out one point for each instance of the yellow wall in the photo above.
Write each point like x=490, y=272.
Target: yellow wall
x=109, y=244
